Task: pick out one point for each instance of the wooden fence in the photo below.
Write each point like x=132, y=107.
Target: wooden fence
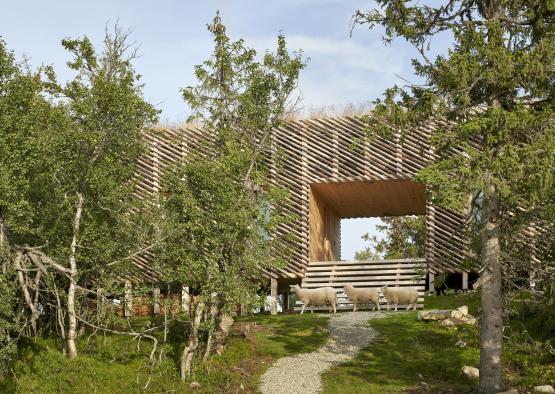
x=376, y=273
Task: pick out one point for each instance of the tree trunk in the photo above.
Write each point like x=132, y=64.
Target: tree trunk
x=491, y=322
x=208, y=349
x=26, y=295
x=72, y=319
x=195, y=314
x=222, y=325
x=210, y=317
x=3, y=242
x=72, y=316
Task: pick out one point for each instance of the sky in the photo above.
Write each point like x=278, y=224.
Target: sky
x=342, y=69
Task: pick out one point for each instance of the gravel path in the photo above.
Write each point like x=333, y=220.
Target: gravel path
x=300, y=374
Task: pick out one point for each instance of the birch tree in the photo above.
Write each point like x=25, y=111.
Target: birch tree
x=74, y=214
x=220, y=210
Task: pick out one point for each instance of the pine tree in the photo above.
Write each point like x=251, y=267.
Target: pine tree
x=496, y=88
x=220, y=210
x=405, y=238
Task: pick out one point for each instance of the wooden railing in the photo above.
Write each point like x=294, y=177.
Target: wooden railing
x=374, y=273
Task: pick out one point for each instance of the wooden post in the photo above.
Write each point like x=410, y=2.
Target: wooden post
x=128, y=307
x=286, y=301
x=273, y=295
x=156, y=299
x=465, y=281
x=185, y=298
x=244, y=311
x=100, y=304
x=533, y=258
x=431, y=284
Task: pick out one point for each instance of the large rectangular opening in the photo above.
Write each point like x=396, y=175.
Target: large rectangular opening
x=330, y=203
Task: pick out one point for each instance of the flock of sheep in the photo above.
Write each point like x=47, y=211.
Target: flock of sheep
x=328, y=296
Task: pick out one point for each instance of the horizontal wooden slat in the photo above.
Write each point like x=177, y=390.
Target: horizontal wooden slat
x=350, y=308
x=346, y=301
x=361, y=277
x=364, y=274
x=387, y=263
x=340, y=269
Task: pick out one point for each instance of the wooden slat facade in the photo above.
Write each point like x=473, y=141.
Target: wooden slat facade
x=332, y=171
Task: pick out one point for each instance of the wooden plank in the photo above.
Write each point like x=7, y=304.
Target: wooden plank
x=364, y=262
x=128, y=302
x=350, y=308
x=364, y=277
x=367, y=282
x=358, y=268
x=156, y=299
x=273, y=295
x=345, y=301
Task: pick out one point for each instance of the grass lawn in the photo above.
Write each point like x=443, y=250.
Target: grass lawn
x=409, y=351
x=115, y=365
x=406, y=352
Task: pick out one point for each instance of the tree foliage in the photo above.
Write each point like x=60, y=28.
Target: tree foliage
x=68, y=155
x=495, y=87
x=220, y=211
x=405, y=238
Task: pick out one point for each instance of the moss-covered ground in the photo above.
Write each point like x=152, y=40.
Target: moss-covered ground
x=114, y=364
x=405, y=353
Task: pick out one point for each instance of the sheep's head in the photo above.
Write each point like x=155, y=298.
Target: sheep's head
x=294, y=288
x=381, y=290
x=348, y=287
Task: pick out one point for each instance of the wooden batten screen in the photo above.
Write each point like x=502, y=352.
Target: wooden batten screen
x=363, y=274
x=309, y=158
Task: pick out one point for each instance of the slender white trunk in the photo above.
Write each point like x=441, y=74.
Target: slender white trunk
x=211, y=314
x=26, y=295
x=72, y=316
x=3, y=242
x=195, y=314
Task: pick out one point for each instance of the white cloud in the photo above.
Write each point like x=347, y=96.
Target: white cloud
x=342, y=70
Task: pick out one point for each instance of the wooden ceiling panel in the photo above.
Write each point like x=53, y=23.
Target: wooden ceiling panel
x=373, y=198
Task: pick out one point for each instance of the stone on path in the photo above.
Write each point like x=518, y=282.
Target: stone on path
x=460, y=312
x=470, y=372
x=547, y=388
x=456, y=321
x=300, y=374
x=434, y=314
x=194, y=385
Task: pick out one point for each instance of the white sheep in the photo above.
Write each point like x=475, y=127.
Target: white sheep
x=400, y=295
x=316, y=297
x=362, y=295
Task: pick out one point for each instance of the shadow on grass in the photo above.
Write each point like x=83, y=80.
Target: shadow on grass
x=290, y=334
x=405, y=353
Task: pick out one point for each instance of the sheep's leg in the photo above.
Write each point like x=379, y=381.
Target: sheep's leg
x=396, y=307
x=302, y=310
x=334, y=307
x=354, y=306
